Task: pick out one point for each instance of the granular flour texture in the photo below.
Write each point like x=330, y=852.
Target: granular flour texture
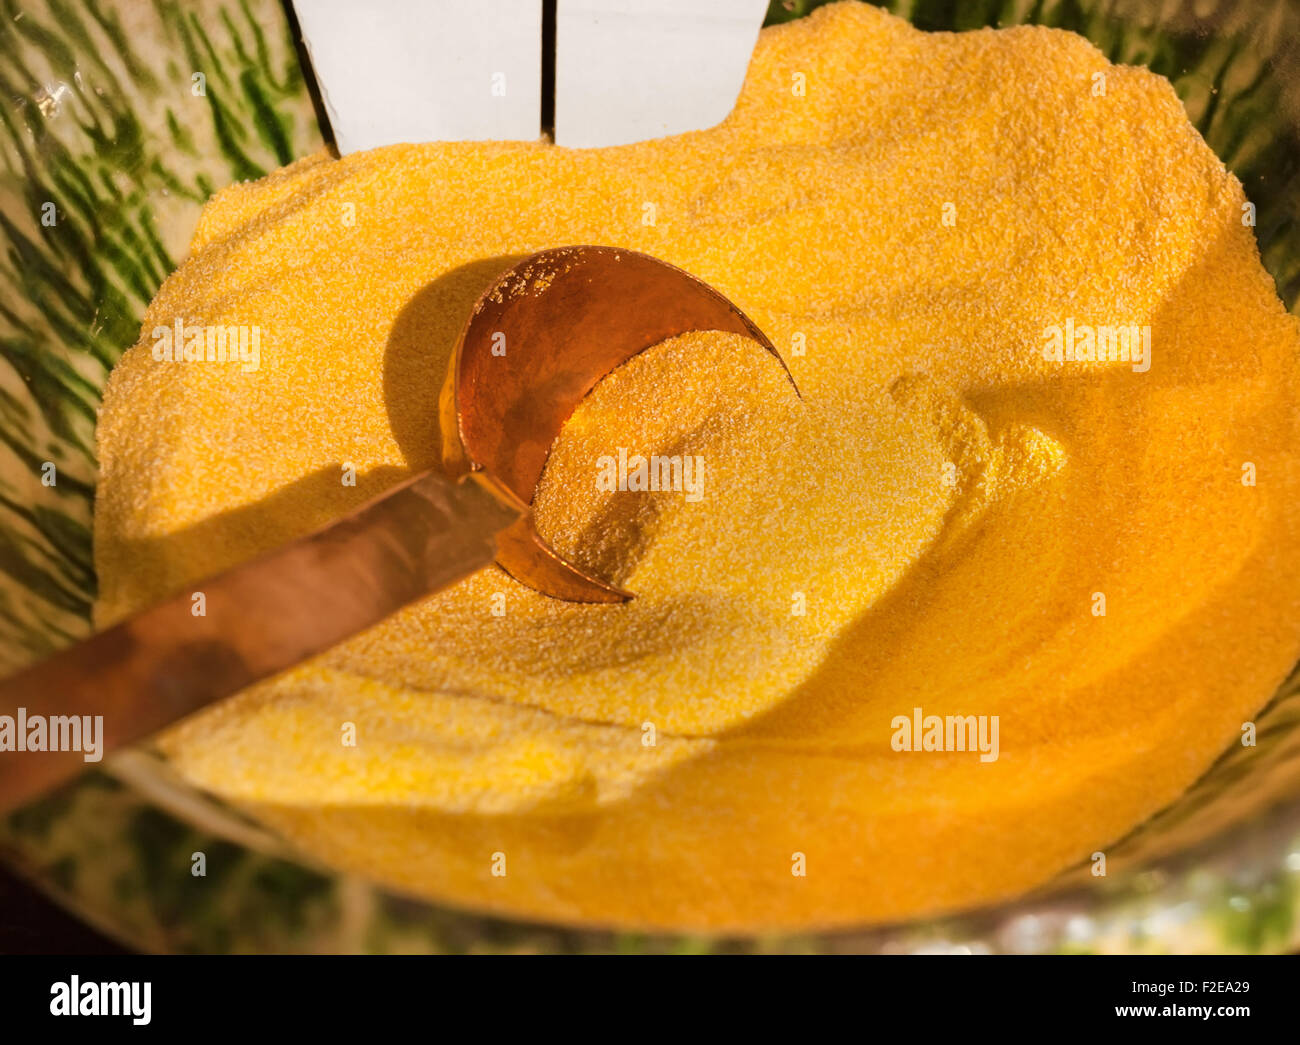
x=1040, y=490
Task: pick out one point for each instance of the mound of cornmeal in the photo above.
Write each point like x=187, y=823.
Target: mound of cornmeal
x=958, y=517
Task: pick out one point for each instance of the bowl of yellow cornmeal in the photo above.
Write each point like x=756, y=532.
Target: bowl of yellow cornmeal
x=983, y=643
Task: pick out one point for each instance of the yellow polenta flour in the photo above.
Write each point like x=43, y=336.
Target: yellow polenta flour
x=1040, y=490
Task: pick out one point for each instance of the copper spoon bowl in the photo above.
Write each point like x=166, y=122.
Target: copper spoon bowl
x=536, y=343
x=538, y=340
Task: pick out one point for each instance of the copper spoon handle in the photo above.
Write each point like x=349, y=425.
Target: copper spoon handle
x=257, y=619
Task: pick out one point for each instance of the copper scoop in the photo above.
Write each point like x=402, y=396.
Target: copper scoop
x=537, y=342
